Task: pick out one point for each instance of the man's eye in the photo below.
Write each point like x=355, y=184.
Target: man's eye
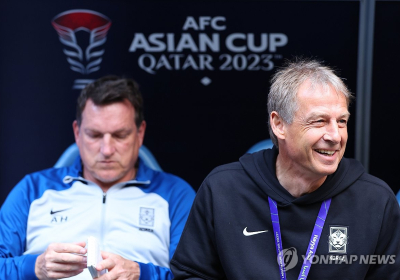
x=342, y=123
x=121, y=136
x=94, y=135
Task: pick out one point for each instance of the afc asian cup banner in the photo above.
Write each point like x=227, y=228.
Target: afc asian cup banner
x=203, y=68
x=213, y=50
x=203, y=44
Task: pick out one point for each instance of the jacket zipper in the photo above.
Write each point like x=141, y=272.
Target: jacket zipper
x=103, y=212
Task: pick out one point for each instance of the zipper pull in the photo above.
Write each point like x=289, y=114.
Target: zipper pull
x=104, y=197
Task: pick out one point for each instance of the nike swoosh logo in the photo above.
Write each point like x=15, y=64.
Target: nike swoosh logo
x=246, y=233
x=53, y=212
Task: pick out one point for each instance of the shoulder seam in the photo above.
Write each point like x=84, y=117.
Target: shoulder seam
x=219, y=169
x=383, y=186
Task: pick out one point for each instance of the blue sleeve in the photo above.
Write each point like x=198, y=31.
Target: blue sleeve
x=154, y=272
x=13, y=223
x=180, y=196
x=180, y=204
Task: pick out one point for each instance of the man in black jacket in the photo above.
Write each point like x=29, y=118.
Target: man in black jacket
x=299, y=210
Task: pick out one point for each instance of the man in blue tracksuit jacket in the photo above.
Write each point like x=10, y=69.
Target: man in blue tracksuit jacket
x=136, y=213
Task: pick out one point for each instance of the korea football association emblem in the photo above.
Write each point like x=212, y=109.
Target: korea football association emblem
x=338, y=239
x=146, y=216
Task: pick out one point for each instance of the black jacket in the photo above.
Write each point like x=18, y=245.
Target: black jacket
x=235, y=196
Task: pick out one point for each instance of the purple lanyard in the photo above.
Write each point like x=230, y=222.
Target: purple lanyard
x=312, y=246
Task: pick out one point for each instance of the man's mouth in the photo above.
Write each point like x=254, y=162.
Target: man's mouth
x=325, y=152
x=106, y=161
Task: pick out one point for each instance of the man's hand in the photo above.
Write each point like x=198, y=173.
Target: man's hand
x=118, y=268
x=60, y=261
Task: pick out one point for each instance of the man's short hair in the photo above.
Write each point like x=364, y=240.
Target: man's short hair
x=286, y=82
x=108, y=90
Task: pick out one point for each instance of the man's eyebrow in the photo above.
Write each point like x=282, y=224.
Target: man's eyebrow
x=91, y=130
x=345, y=115
x=122, y=130
x=317, y=115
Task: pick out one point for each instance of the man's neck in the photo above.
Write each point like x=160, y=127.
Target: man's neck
x=105, y=186
x=295, y=182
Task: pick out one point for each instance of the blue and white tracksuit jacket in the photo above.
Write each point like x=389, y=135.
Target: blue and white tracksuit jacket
x=140, y=220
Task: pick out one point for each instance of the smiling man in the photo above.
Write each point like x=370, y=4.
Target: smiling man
x=300, y=210
x=137, y=214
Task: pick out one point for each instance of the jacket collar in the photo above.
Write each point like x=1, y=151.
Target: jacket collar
x=143, y=178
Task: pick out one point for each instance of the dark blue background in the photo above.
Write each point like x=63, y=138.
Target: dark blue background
x=192, y=128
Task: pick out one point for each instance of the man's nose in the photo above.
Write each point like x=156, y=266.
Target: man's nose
x=107, y=146
x=332, y=133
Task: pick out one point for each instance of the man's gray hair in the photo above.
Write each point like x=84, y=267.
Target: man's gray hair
x=286, y=82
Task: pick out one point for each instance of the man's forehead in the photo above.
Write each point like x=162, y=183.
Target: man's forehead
x=309, y=86
x=107, y=125
x=110, y=117
x=314, y=91
x=91, y=103
x=117, y=109
x=320, y=101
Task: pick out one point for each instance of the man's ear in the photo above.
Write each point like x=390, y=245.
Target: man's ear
x=75, y=128
x=141, y=131
x=277, y=125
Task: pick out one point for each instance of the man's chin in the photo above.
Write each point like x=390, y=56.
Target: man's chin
x=108, y=178
x=328, y=170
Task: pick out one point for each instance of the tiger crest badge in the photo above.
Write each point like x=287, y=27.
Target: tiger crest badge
x=338, y=239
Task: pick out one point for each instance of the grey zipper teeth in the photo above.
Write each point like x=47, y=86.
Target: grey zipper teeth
x=103, y=213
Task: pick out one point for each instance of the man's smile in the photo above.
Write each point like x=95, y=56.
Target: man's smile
x=326, y=152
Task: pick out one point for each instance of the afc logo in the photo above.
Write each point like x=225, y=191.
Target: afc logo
x=83, y=34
